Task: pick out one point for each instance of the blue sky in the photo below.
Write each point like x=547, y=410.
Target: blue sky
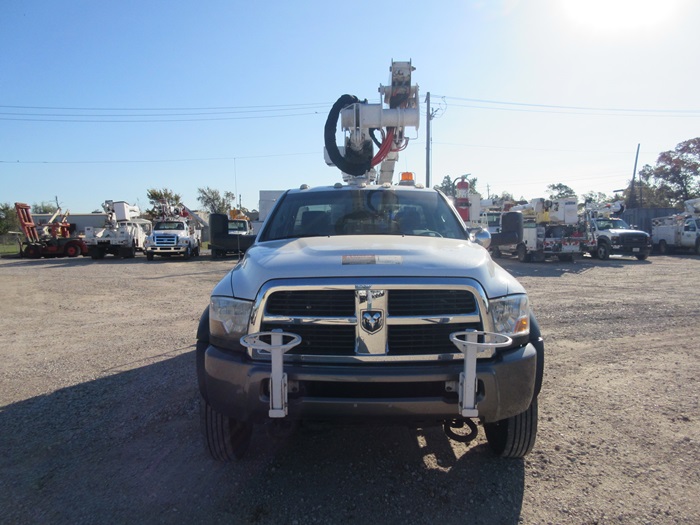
x=103, y=100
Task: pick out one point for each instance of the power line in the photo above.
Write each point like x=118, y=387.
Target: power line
x=154, y=161
x=665, y=112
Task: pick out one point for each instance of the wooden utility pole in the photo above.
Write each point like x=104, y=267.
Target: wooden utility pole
x=427, y=141
x=634, y=173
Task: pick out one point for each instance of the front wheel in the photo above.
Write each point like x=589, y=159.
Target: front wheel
x=226, y=438
x=72, y=250
x=603, y=251
x=149, y=256
x=515, y=436
x=663, y=247
x=188, y=253
x=642, y=256
x=523, y=256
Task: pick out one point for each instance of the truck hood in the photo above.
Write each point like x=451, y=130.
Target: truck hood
x=622, y=232
x=379, y=256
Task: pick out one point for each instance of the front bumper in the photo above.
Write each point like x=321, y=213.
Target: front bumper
x=420, y=393
x=166, y=250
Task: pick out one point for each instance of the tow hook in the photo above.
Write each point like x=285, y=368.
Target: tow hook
x=460, y=423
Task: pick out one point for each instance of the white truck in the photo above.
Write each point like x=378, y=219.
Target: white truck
x=550, y=229
x=123, y=234
x=369, y=301
x=177, y=230
x=608, y=234
x=678, y=232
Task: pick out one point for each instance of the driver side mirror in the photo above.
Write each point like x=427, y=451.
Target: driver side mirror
x=481, y=237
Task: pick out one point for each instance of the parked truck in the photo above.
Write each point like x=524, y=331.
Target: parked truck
x=52, y=239
x=550, y=229
x=370, y=301
x=231, y=233
x=609, y=235
x=678, y=232
x=177, y=230
x=123, y=234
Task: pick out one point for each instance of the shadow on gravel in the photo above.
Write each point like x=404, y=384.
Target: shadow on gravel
x=555, y=268
x=127, y=448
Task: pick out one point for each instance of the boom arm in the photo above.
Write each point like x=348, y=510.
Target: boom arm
x=361, y=120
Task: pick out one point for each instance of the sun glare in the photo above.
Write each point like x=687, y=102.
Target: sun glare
x=620, y=16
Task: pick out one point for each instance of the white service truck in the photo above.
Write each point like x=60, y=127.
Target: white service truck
x=177, y=230
x=678, y=232
x=608, y=234
x=369, y=301
x=123, y=234
x=550, y=229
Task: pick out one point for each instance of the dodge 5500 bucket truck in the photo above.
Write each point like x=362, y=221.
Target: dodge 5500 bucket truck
x=177, y=230
x=370, y=301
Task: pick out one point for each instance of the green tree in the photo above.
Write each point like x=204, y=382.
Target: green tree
x=44, y=207
x=8, y=218
x=155, y=196
x=677, y=172
x=560, y=191
x=215, y=202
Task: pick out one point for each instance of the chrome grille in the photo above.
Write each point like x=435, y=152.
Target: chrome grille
x=165, y=240
x=412, y=322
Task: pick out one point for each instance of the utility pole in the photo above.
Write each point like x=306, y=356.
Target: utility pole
x=634, y=173
x=427, y=141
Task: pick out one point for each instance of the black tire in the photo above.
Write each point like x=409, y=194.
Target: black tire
x=149, y=256
x=603, y=251
x=697, y=247
x=523, y=256
x=565, y=257
x=72, y=250
x=642, y=256
x=188, y=253
x=663, y=247
x=32, y=252
x=515, y=436
x=496, y=253
x=226, y=438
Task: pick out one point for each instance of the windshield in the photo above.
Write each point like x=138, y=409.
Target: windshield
x=169, y=226
x=237, y=226
x=612, y=224
x=380, y=211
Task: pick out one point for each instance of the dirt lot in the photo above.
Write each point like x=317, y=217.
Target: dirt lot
x=100, y=423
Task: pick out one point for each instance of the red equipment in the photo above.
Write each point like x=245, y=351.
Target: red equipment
x=55, y=240
x=462, y=198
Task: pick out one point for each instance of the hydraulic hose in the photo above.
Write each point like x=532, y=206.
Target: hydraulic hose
x=352, y=168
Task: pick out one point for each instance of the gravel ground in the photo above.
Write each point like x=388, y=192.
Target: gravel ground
x=100, y=420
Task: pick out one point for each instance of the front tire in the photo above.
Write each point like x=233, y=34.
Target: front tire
x=663, y=247
x=523, y=256
x=515, y=436
x=603, y=251
x=226, y=438
x=149, y=256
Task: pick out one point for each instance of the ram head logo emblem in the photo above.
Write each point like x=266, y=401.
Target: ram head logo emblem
x=372, y=320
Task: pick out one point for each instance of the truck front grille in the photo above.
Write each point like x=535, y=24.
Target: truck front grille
x=165, y=240
x=633, y=239
x=375, y=322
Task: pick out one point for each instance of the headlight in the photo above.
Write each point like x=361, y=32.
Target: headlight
x=511, y=315
x=615, y=239
x=228, y=320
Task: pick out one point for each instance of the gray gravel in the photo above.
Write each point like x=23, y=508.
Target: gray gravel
x=100, y=422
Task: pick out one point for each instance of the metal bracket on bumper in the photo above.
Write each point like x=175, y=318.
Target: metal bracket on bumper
x=276, y=347
x=470, y=345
